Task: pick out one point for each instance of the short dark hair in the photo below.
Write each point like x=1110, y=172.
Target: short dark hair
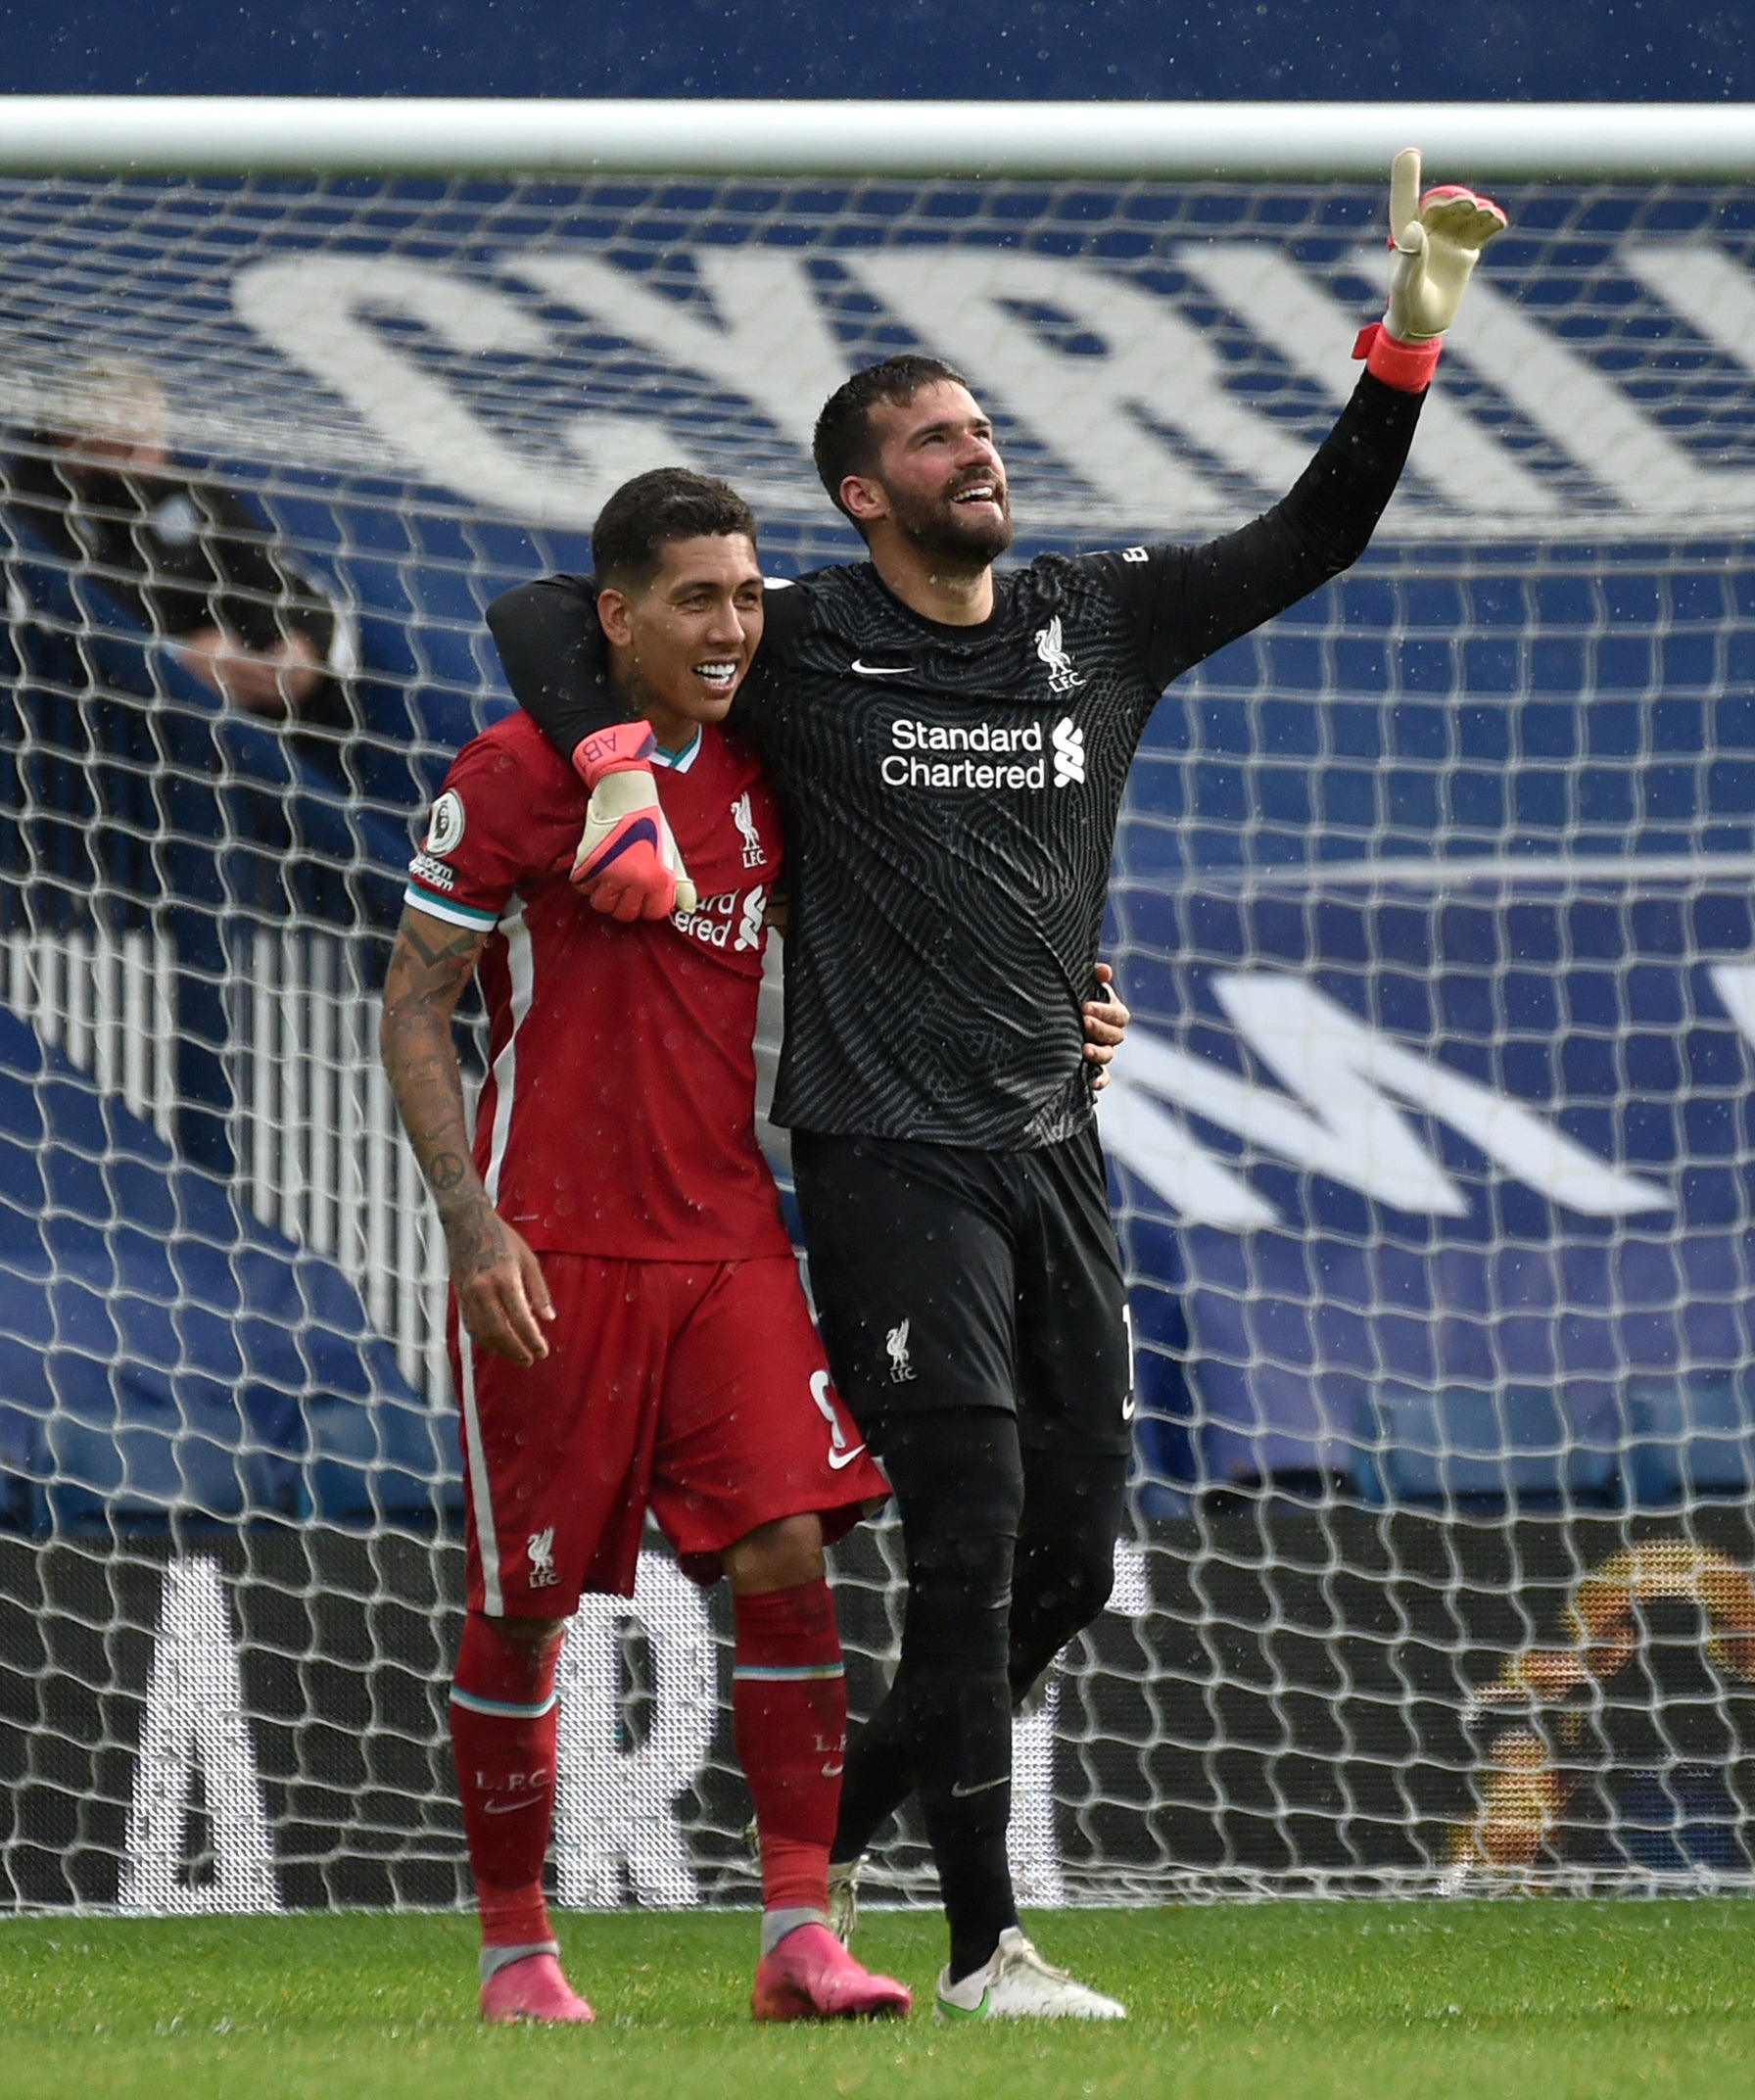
x=845, y=441
x=645, y=514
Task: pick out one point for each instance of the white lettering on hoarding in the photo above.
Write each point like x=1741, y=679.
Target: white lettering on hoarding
x=616, y=1808
x=1735, y=984
x=1030, y=1839
x=1105, y=413
x=1342, y=1116
x=1595, y=420
x=772, y=343
x=1454, y=452
x=193, y=1714
x=1131, y=398
x=323, y=311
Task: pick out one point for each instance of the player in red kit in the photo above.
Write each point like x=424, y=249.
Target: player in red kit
x=632, y=1334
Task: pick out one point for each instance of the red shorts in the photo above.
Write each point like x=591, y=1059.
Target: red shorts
x=697, y=1391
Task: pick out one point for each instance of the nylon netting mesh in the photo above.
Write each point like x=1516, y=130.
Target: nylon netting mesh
x=1431, y=1144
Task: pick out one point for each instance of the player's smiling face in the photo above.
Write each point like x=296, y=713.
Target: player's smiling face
x=939, y=481
x=681, y=644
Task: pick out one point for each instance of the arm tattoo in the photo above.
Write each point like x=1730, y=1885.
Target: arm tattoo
x=474, y=1238
x=420, y=967
x=421, y=988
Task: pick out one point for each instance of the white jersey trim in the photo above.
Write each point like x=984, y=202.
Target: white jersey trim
x=520, y=962
x=481, y=1493
x=453, y=914
x=678, y=761
x=521, y=968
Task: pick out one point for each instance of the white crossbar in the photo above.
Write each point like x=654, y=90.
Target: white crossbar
x=1115, y=141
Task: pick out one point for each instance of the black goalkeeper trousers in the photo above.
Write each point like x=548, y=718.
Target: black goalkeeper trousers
x=1010, y=1553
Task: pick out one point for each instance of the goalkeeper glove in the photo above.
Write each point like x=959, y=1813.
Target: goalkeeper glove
x=627, y=866
x=1437, y=240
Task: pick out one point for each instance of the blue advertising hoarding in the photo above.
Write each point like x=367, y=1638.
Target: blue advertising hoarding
x=1442, y=1130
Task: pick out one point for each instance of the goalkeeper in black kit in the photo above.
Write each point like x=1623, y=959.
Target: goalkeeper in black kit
x=951, y=746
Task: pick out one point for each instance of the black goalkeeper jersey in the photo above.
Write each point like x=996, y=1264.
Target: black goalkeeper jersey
x=951, y=793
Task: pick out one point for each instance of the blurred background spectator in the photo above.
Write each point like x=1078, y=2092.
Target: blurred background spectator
x=1631, y=1744
x=101, y=488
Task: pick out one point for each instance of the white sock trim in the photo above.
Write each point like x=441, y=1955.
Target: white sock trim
x=494, y=1959
x=776, y=1923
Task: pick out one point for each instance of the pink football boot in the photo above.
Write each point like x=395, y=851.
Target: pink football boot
x=810, y=1975
x=534, y=1990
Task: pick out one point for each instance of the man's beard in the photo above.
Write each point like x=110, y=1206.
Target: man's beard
x=953, y=540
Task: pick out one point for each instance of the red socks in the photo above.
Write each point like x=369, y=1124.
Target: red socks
x=503, y=1731
x=789, y=1702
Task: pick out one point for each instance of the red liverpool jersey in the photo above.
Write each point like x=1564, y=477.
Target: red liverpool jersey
x=618, y=1115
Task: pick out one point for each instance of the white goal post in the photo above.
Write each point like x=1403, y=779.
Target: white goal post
x=1433, y=1141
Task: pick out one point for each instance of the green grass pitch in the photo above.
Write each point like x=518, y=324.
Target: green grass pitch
x=1539, y=2000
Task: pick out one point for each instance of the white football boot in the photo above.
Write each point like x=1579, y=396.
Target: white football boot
x=1016, y=1983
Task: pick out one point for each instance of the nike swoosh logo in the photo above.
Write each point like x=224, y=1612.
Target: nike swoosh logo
x=878, y=670
x=839, y=1458
x=963, y=1792
x=512, y=1808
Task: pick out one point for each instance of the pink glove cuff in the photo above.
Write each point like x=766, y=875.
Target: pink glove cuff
x=1407, y=366
x=616, y=750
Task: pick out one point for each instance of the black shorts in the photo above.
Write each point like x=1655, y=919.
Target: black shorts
x=953, y=1278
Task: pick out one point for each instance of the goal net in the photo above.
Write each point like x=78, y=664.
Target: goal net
x=1430, y=1140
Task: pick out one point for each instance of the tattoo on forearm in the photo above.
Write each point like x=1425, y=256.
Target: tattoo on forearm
x=420, y=1057
x=474, y=1239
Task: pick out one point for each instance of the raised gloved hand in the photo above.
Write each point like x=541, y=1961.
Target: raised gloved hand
x=1437, y=240
x=627, y=866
